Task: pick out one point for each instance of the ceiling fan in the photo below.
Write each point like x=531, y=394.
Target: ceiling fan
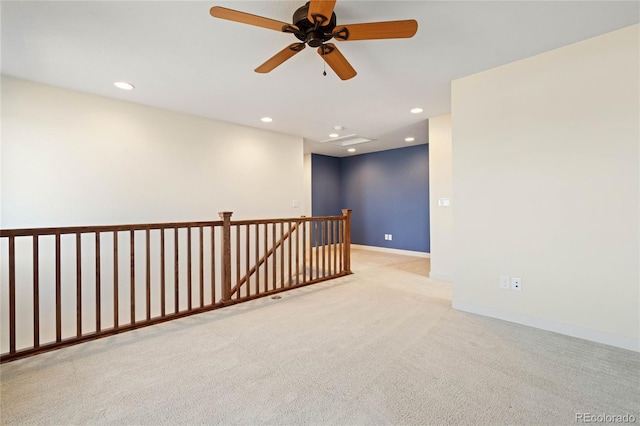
x=314, y=24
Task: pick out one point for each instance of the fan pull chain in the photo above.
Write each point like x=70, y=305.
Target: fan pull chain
x=324, y=63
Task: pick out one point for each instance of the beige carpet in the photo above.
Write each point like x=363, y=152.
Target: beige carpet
x=382, y=346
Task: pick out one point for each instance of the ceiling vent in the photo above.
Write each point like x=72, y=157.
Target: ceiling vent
x=347, y=140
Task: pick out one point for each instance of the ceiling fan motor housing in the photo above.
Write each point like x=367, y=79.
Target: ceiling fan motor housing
x=309, y=34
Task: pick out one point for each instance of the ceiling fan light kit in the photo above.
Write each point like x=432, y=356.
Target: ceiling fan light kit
x=314, y=24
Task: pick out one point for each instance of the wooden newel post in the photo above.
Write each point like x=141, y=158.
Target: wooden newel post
x=226, y=255
x=347, y=240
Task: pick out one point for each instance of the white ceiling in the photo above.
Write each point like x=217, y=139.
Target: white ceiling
x=182, y=59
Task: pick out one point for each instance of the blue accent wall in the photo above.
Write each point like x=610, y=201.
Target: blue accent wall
x=388, y=192
x=326, y=186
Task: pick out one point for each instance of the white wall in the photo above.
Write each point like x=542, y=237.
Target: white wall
x=440, y=186
x=546, y=182
x=70, y=158
x=307, y=185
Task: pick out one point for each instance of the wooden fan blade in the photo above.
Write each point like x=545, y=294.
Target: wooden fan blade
x=377, y=30
x=280, y=57
x=247, y=18
x=323, y=8
x=336, y=61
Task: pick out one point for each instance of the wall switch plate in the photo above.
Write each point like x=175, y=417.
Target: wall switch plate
x=390, y=237
x=295, y=204
x=443, y=202
x=505, y=284
x=516, y=283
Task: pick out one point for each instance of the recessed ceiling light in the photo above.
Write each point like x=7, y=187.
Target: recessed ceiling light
x=416, y=110
x=333, y=135
x=351, y=150
x=124, y=85
x=409, y=139
x=266, y=119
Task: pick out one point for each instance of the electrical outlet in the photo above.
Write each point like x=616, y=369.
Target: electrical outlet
x=390, y=237
x=505, y=284
x=386, y=237
x=516, y=283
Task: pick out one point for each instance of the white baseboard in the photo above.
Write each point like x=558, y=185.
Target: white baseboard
x=549, y=325
x=441, y=276
x=392, y=250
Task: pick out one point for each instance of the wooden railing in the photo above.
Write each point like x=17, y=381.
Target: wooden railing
x=63, y=286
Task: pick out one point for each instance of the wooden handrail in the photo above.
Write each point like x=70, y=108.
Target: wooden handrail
x=27, y=232
x=285, y=220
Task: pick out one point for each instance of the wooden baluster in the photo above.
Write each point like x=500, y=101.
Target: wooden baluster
x=163, y=278
x=58, y=291
x=340, y=246
x=36, y=292
x=275, y=256
x=98, y=290
x=132, y=282
x=298, y=225
x=281, y=255
x=335, y=247
x=257, y=257
x=116, y=309
x=189, y=293
x=347, y=240
x=12, y=294
x=304, y=251
x=312, y=262
x=176, y=283
x=148, y=272
x=290, y=280
x=328, y=245
x=248, y=283
x=298, y=253
x=324, y=246
x=213, y=264
x=317, y=224
x=78, y=284
x=226, y=254
x=201, y=259
x=238, y=260
x=266, y=261
x=311, y=233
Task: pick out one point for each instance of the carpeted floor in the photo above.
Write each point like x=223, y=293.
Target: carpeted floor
x=382, y=346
